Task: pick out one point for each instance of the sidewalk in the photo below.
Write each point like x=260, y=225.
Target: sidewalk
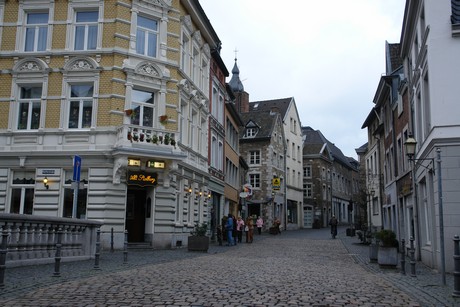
x=426, y=286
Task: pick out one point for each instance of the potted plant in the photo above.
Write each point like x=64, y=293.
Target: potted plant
x=135, y=136
x=388, y=248
x=167, y=139
x=173, y=142
x=198, y=240
x=163, y=119
x=154, y=139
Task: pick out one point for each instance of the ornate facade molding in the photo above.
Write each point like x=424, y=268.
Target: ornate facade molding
x=81, y=64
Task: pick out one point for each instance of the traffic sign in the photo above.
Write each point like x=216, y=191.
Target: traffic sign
x=76, y=168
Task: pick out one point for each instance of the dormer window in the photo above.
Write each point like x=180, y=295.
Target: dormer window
x=250, y=132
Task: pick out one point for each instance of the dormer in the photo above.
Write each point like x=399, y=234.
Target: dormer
x=250, y=130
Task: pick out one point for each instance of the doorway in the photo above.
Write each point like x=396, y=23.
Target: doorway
x=308, y=217
x=135, y=214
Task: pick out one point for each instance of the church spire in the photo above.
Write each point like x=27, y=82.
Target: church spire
x=235, y=83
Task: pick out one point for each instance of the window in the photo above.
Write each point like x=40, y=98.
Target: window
x=146, y=36
x=250, y=132
x=22, y=192
x=29, y=107
x=81, y=106
x=143, y=105
x=86, y=30
x=68, y=196
x=254, y=157
x=231, y=135
x=36, y=31
x=308, y=190
x=254, y=180
x=217, y=152
x=185, y=62
x=217, y=104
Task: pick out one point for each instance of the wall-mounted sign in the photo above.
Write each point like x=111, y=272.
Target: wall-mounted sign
x=134, y=162
x=155, y=164
x=276, y=183
x=142, y=179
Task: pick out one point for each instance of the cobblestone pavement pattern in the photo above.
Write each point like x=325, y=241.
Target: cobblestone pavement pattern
x=292, y=269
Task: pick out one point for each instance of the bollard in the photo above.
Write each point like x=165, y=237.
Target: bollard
x=412, y=258
x=98, y=249
x=403, y=257
x=111, y=240
x=3, y=251
x=125, y=249
x=456, y=272
x=57, y=258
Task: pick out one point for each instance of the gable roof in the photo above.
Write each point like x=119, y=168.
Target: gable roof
x=280, y=105
x=265, y=121
x=315, y=143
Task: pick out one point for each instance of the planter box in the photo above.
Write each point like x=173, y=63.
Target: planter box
x=388, y=256
x=198, y=244
x=373, y=252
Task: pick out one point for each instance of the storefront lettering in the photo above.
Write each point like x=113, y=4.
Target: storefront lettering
x=142, y=179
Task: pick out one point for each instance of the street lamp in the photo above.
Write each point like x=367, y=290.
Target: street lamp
x=410, y=144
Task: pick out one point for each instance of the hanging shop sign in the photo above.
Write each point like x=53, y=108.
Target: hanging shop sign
x=142, y=179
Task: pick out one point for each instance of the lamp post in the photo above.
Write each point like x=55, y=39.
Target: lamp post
x=410, y=146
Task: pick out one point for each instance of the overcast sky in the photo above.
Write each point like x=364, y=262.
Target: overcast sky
x=328, y=55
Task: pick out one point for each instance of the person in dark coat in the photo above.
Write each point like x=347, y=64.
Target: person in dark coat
x=333, y=223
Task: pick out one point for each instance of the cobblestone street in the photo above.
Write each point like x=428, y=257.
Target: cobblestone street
x=296, y=268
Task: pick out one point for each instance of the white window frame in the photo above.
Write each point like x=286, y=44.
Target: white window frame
x=185, y=53
x=80, y=6
x=87, y=27
x=140, y=106
x=250, y=132
x=37, y=27
x=254, y=180
x=254, y=157
x=39, y=6
x=23, y=187
x=81, y=106
x=146, y=33
x=29, y=102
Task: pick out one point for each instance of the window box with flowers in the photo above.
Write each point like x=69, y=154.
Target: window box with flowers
x=163, y=119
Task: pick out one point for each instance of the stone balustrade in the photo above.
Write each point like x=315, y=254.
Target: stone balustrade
x=32, y=239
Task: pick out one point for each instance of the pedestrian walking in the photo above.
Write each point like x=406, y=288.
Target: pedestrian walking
x=250, y=224
x=229, y=230
x=277, y=224
x=235, y=230
x=333, y=223
x=240, y=228
x=259, y=224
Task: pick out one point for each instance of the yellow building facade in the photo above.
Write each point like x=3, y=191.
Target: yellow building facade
x=109, y=101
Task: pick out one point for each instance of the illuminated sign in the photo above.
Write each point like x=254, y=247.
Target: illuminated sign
x=142, y=179
x=155, y=164
x=134, y=162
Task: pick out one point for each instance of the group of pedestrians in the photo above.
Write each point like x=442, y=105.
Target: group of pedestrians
x=233, y=228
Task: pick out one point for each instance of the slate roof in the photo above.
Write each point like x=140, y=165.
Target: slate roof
x=314, y=142
x=265, y=121
x=455, y=17
x=281, y=105
x=235, y=83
